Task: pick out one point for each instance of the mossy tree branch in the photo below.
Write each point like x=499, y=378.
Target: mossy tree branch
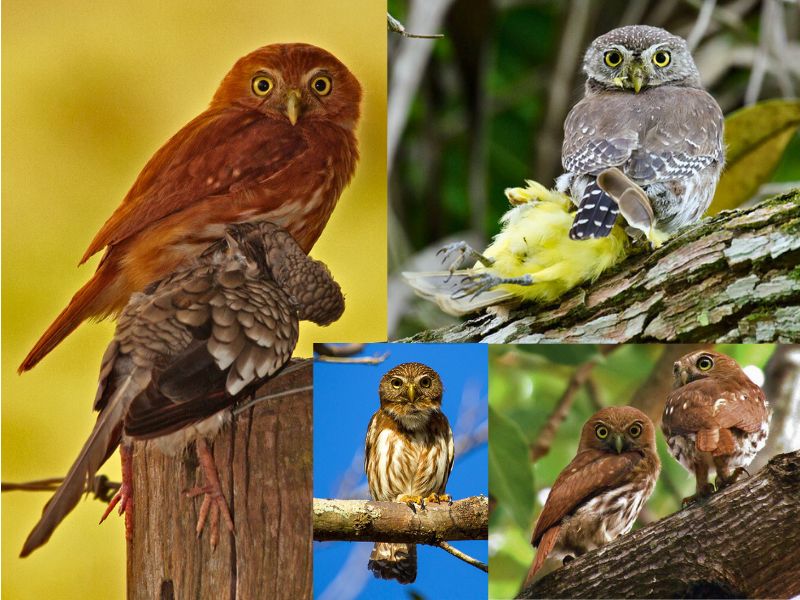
x=743, y=542
x=731, y=278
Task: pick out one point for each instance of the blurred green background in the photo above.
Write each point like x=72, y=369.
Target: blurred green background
x=483, y=108
x=526, y=383
x=90, y=92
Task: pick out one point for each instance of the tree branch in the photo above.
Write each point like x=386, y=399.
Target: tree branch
x=368, y=521
x=744, y=542
x=729, y=278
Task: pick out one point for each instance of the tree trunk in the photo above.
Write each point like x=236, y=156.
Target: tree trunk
x=730, y=278
x=744, y=542
x=370, y=521
x=264, y=458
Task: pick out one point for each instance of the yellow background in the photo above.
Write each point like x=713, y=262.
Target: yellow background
x=90, y=91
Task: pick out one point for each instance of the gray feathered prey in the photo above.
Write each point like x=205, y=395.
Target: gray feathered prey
x=189, y=347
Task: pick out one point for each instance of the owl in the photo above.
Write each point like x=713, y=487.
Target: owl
x=715, y=419
x=645, y=138
x=408, y=456
x=598, y=495
x=277, y=143
x=188, y=348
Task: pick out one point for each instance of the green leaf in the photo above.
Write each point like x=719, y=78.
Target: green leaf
x=755, y=138
x=563, y=354
x=510, y=473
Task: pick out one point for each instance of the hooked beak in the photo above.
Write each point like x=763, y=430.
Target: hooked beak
x=684, y=376
x=619, y=443
x=411, y=393
x=633, y=77
x=293, y=105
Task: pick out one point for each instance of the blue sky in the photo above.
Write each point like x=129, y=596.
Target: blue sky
x=345, y=397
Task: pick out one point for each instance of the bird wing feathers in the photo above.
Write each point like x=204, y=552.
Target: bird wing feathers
x=650, y=136
x=218, y=153
x=589, y=473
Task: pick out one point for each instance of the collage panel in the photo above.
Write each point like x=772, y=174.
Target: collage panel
x=382, y=418
x=590, y=442
x=255, y=106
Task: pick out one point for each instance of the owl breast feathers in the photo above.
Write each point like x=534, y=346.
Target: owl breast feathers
x=716, y=419
x=598, y=495
x=408, y=456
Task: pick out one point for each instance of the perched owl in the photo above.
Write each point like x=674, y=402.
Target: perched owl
x=408, y=456
x=645, y=135
x=598, y=495
x=715, y=419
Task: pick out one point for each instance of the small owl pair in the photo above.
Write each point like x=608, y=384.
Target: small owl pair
x=715, y=419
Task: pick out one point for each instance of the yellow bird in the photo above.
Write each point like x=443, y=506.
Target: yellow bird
x=531, y=259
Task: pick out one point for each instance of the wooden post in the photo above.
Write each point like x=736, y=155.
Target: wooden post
x=264, y=458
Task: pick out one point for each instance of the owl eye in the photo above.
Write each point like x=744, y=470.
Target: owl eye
x=425, y=382
x=635, y=430
x=262, y=85
x=396, y=382
x=704, y=363
x=601, y=431
x=661, y=58
x=322, y=85
x=613, y=58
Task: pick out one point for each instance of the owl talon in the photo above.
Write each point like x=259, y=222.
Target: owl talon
x=412, y=501
x=723, y=482
x=439, y=498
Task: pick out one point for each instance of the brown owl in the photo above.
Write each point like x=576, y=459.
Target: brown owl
x=715, y=419
x=598, y=495
x=408, y=457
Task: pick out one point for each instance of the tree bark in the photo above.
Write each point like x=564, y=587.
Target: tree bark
x=368, y=521
x=744, y=542
x=264, y=458
x=730, y=278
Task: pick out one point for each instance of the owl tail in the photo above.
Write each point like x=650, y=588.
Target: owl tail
x=596, y=215
x=394, y=561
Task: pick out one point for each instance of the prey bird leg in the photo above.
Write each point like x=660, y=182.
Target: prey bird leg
x=213, y=498
x=124, y=496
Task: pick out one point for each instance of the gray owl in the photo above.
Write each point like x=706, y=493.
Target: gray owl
x=645, y=137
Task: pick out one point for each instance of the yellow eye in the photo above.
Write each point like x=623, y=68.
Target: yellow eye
x=635, y=430
x=601, y=431
x=425, y=382
x=262, y=85
x=661, y=58
x=613, y=58
x=397, y=382
x=321, y=85
x=704, y=363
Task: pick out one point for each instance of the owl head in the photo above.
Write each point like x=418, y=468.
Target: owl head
x=638, y=57
x=618, y=429
x=703, y=364
x=299, y=83
x=410, y=393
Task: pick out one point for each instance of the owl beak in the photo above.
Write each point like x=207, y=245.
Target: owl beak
x=684, y=376
x=636, y=77
x=619, y=443
x=293, y=105
x=411, y=393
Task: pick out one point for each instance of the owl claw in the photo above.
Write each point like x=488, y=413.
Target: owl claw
x=701, y=494
x=439, y=498
x=412, y=501
x=723, y=482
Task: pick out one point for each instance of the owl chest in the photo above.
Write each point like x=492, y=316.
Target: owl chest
x=412, y=464
x=602, y=519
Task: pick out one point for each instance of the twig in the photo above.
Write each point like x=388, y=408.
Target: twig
x=338, y=349
x=102, y=488
x=396, y=26
x=465, y=557
x=364, y=360
x=701, y=24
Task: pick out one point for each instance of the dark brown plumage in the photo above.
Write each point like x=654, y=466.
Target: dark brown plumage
x=715, y=419
x=408, y=456
x=189, y=347
x=598, y=495
x=277, y=143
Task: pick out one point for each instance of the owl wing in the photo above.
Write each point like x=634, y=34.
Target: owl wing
x=206, y=336
x=664, y=134
x=221, y=151
x=589, y=473
x=711, y=404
